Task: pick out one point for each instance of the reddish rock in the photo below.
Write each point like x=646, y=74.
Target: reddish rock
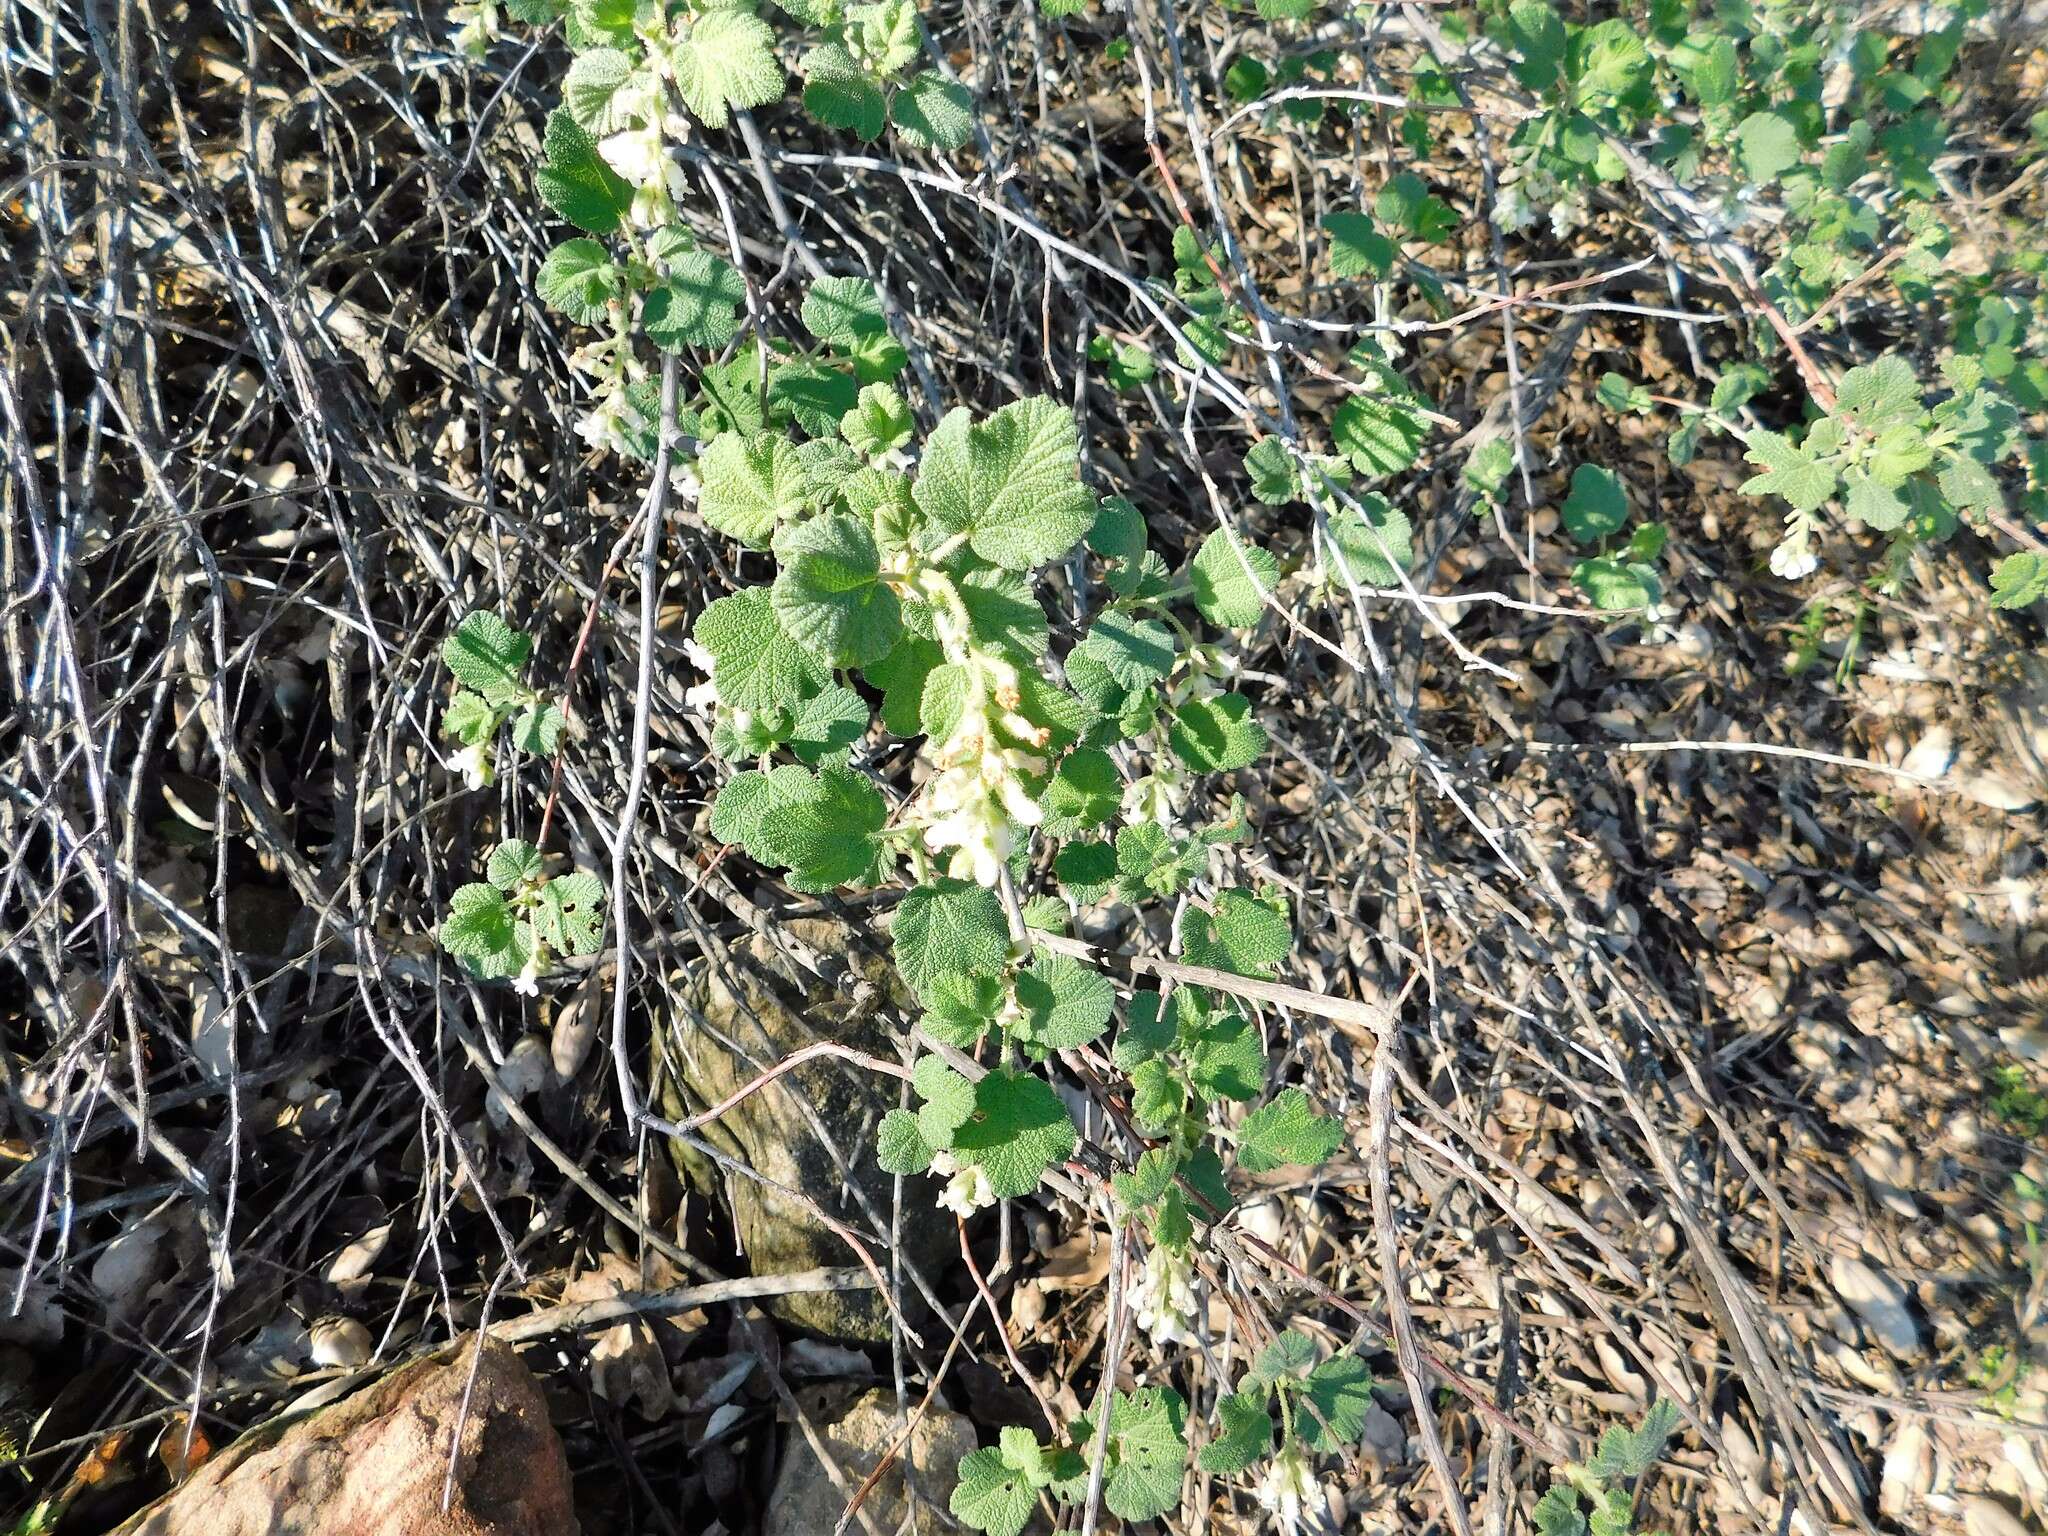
x=376, y=1463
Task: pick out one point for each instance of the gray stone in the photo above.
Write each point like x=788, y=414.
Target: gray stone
x=1880, y=1301
x=768, y=1007
x=805, y=1501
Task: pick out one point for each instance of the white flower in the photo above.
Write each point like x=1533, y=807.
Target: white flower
x=1568, y=213
x=1164, y=1297
x=527, y=982
x=1513, y=210
x=1154, y=797
x=1289, y=1490
x=967, y=1191
x=642, y=157
x=479, y=27
x=704, y=697
x=474, y=764
x=1794, y=557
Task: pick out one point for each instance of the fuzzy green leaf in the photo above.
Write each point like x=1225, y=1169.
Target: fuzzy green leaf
x=933, y=112
x=570, y=918
x=1357, y=248
x=1597, y=505
x=723, y=59
x=899, y=1146
x=1011, y=482
x=1372, y=549
x=1766, y=144
x=1790, y=471
x=580, y=279
x=749, y=485
x=1286, y=1133
x=949, y=928
x=839, y=94
x=1217, y=734
x=1066, y=1004
x=2019, y=581
x=1231, y=579
x=1341, y=1391
x=487, y=655
x=697, y=305
x=756, y=663
x=513, y=862
x=1020, y=1128
x=1379, y=434
x=1243, y=1438
x=823, y=831
x=829, y=593
x=1245, y=935
x=574, y=180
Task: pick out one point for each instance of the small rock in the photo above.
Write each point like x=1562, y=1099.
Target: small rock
x=1880, y=1302
x=1987, y=1517
x=376, y=1463
x=1386, y=1444
x=1908, y=1468
x=805, y=1502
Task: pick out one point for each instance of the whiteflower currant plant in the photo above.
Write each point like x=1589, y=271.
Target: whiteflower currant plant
x=519, y=919
x=1044, y=787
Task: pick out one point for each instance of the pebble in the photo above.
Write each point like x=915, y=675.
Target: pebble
x=1880, y=1301
x=1987, y=1517
x=1908, y=1469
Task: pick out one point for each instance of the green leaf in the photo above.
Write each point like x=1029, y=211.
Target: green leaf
x=574, y=180
x=1243, y=1438
x=513, y=862
x=1766, y=145
x=1341, y=1391
x=1557, y=1512
x=829, y=594
x=1084, y=791
x=570, y=918
x=839, y=94
x=1245, y=935
x=948, y=1100
x=2019, y=581
x=1357, y=248
x=1629, y=1453
x=591, y=88
x=1535, y=32
x=1066, y=1004
x=483, y=933
x=1085, y=870
x=879, y=422
x=1616, y=585
x=1406, y=203
x=1147, y=1033
x=1231, y=579
x=1011, y=483
x=827, y=723
x=899, y=1147
x=1607, y=61
x=1285, y=1133
x=1002, y=613
x=815, y=396
x=933, y=112
x=538, y=730
x=1216, y=735
x=468, y=719
x=1597, y=505
x=1374, y=549
x=992, y=1495
x=1148, y=1453
x=756, y=664
x=823, y=831
x=697, y=305
x=725, y=59
x=1885, y=393
x=580, y=279
x=1289, y=1357
x=749, y=485
x=1226, y=1061
x=1133, y=651
x=1020, y=1128
x=487, y=655
x=1618, y=393
x=1379, y=434
x=1790, y=471
x=840, y=311
x=1272, y=472
x=947, y=928
x=901, y=675
x=1873, y=503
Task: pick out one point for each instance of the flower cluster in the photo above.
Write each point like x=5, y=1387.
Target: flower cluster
x=1163, y=1300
